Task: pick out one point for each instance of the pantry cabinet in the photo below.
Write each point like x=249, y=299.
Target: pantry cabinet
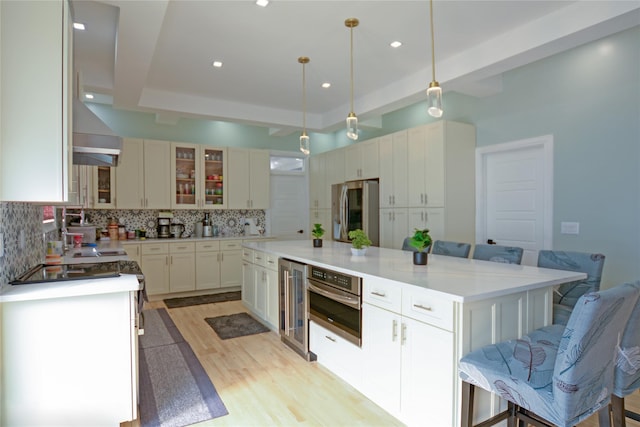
x=441, y=167
x=393, y=170
x=36, y=54
x=429, y=218
x=142, y=177
x=248, y=178
x=361, y=160
x=319, y=189
x=394, y=227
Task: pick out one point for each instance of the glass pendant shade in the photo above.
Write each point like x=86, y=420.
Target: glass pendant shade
x=304, y=144
x=434, y=100
x=352, y=126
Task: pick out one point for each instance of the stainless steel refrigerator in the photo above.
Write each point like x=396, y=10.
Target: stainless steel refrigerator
x=355, y=205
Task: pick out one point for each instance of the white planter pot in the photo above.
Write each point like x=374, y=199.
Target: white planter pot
x=358, y=252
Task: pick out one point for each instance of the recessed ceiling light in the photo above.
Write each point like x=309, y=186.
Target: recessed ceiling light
x=217, y=64
x=78, y=26
x=326, y=85
x=395, y=44
x=88, y=95
x=262, y=3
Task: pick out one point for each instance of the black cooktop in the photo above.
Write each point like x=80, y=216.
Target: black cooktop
x=52, y=273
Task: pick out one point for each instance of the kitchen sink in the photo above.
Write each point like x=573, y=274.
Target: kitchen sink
x=94, y=253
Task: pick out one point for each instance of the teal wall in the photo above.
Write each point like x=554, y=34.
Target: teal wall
x=596, y=139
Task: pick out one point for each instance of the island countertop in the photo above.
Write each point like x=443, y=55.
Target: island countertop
x=458, y=279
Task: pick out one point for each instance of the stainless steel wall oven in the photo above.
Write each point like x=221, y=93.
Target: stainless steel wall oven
x=335, y=302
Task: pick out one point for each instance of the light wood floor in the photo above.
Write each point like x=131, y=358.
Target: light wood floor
x=264, y=383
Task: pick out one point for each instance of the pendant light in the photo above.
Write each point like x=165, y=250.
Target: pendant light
x=352, y=119
x=304, y=138
x=434, y=92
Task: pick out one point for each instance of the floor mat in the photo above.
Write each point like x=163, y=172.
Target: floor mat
x=236, y=325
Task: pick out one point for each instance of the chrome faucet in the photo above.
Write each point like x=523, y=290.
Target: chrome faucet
x=63, y=230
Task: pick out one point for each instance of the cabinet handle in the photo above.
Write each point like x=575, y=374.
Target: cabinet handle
x=378, y=294
x=421, y=198
x=171, y=259
x=221, y=256
x=394, y=332
x=422, y=307
x=330, y=338
x=389, y=199
x=426, y=199
x=394, y=199
x=403, y=334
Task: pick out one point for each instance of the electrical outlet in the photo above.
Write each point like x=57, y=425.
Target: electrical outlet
x=1, y=245
x=569, y=228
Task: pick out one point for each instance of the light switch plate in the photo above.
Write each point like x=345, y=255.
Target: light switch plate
x=569, y=228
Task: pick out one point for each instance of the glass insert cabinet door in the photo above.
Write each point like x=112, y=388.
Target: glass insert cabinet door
x=214, y=194
x=198, y=176
x=185, y=159
x=104, y=186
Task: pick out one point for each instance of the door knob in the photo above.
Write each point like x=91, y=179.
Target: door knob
x=300, y=231
x=491, y=242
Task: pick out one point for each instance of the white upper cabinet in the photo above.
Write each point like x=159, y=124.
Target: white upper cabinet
x=130, y=175
x=248, y=178
x=361, y=160
x=318, y=183
x=35, y=136
x=393, y=170
x=142, y=177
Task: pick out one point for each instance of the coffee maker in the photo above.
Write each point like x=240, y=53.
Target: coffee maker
x=164, y=228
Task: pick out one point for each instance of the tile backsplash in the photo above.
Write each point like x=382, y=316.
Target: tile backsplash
x=228, y=221
x=27, y=217
x=18, y=258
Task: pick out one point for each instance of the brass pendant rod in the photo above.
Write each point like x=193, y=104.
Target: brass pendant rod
x=304, y=60
x=433, y=54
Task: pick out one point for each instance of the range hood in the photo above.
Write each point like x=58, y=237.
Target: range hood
x=94, y=143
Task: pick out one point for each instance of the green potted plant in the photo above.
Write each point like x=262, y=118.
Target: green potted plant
x=317, y=233
x=359, y=242
x=421, y=241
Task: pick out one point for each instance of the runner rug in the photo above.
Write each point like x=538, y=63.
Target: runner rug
x=175, y=390
x=202, y=299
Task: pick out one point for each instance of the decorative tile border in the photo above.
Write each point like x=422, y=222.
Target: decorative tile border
x=228, y=221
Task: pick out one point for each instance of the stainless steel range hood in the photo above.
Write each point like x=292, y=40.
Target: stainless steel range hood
x=94, y=143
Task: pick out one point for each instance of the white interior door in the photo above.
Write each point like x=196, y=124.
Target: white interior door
x=514, y=189
x=289, y=212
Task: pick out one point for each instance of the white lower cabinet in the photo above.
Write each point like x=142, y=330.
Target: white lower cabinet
x=337, y=354
x=394, y=227
x=168, y=267
x=218, y=264
x=182, y=267
x=133, y=251
x=260, y=285
x=408, y=364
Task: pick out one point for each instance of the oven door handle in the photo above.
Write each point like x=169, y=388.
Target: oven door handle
x=353, y=302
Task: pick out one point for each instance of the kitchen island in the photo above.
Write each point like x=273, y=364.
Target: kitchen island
x=418, y=321
x=70, y=352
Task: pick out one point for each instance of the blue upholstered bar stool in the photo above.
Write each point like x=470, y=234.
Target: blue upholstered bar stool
x=442, y=247
x=626, y=376
x=556, y=375
x=565, y=297
x=498, y=253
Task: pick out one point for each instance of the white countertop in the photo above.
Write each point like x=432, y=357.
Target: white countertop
x=459, y=279
x=69, y=288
